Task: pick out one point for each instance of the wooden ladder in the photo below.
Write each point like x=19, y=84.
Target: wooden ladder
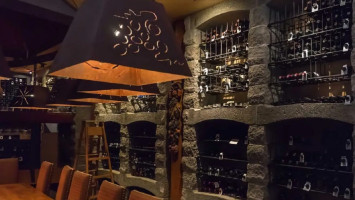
x=96, y=150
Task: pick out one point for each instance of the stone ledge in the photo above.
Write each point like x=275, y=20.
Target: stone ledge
x=151, y=185
x=242, y=115
x=127, y=118
x=210, y=196
x=271, y=114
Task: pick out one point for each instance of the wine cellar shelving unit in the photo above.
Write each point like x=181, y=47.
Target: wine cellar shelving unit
x=310, y=52
x=112, y=130
x=311, y=159
x=142, y=149
x=20, y=142
x=223, y=55
x=222, y=162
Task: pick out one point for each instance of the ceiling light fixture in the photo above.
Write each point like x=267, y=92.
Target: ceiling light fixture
x=93, y=87
x=119, y=41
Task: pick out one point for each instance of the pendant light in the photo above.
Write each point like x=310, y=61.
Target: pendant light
x=61, y=91
x=93, y=87
x=119, y=41
x=5, y=73
x=94, y=98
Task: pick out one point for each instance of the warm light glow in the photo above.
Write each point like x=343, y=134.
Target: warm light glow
x=111, y=73
x=118, y=92
x=67, y=105
x=32, y=108
x=94, y=100
x=4, y=78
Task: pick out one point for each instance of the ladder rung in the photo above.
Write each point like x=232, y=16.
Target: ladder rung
x=99, y=158
x=102, y=176
x=95, y=131
x=92, y=154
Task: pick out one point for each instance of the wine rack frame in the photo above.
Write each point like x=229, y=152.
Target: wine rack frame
x=222, y=162
x=312, y=155
x=223, y=56
x=112, y=130
x=316, y=37
x=142, y=149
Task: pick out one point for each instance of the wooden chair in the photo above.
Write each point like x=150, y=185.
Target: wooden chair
x=79, y=187
x=111, y=191
x=8, y=170
x=44, y=177
x=135, y=195
x=64, y=183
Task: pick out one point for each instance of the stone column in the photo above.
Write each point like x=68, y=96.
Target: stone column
x=259, y=55
x=258, y=157
x=189, y=163
x=192, y=39
x=161, y=174
x=124, y=152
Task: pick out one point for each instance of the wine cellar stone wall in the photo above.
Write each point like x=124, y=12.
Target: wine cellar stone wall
x=258, y=115
x=160, y=186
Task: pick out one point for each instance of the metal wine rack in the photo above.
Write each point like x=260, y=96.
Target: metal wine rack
x=223, y=55
x=142, y=149
x=222, y=160
x=311, y=45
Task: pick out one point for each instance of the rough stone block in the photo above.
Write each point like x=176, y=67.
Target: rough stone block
x=189, y=133
x=191, y=85
x=189, y=164
x=189, y=181
x=162, y=99
x=257, y=135
x=257, y=192
x=257, y=154
x=192, y=36
x=257, y=174
x=260, y=94
x=259, y=55
x=259, y=35
x=190, y=148
x=160, y=146
x=195, y=67
x=161, y=132
x=259, y=74
x=192, y=52
x=191, y=100
x=258, y=15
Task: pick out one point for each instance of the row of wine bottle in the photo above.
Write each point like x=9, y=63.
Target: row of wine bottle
x=332, y=99
x=224, y=31
x=210, y=185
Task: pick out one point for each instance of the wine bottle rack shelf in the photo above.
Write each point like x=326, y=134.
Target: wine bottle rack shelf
x=311, y=162
x=222, y=163
x=311, y=43
x=142, y=149
x=112, y=130
x=223, y=56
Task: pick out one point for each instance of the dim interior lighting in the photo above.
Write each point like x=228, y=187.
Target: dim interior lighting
x=142, y=50
x=5, y=73
x=93, y=87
